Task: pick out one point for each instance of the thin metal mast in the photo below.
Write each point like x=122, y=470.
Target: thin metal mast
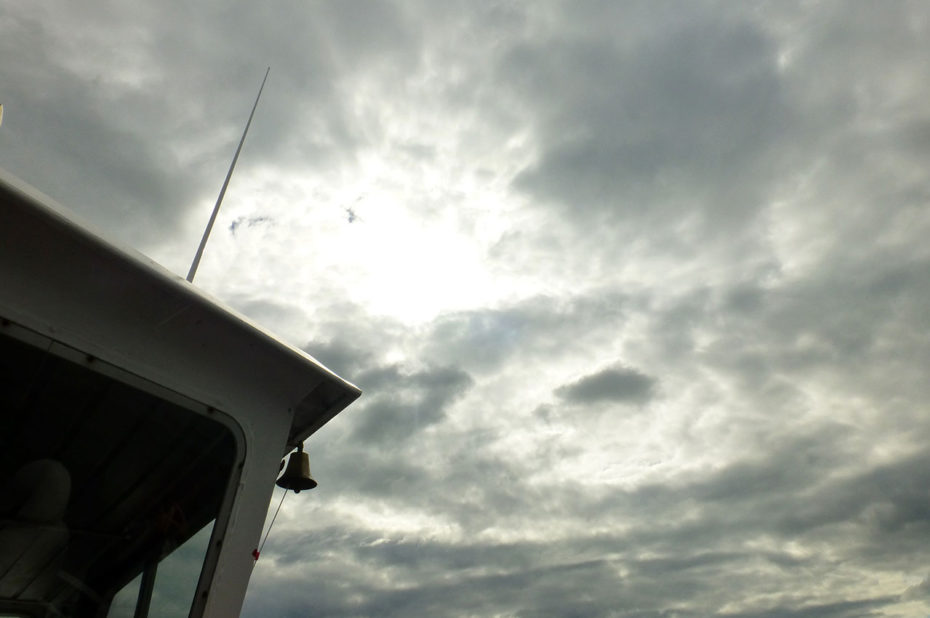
x=219, y=200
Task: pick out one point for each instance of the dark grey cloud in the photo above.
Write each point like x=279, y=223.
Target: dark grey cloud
x=342, y=357
x=563, y=590
x=617, y=384
x=645, y=130
x=840, y=609
x=404, y=403
x=484, y=339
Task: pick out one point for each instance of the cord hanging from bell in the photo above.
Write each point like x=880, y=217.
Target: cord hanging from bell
x=297, y=477
x=258, y=550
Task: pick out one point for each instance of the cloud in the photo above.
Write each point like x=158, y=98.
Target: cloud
x=341, y=357
x=730, y=199
x=485, y=339
x=750, y=522
x=919, y=591
x=643, y=131
x=621, y=384
x=405, y=403
x=839, y=609
x=151, y=136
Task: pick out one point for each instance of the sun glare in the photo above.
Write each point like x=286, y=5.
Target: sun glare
x=363, y=245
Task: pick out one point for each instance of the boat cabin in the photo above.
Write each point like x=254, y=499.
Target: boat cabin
x=142, y=427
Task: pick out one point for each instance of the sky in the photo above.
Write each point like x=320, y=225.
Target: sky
x=637, y=292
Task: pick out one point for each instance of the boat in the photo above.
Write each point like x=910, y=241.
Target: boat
x=142, y=425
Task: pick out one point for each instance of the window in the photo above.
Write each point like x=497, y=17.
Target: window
x=175, y=582
x=100, y=477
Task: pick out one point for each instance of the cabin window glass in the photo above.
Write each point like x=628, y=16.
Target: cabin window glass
x=175, y=582
x=176, y=579
x=124, y=602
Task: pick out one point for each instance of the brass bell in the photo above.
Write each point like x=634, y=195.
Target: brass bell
x=297, y=473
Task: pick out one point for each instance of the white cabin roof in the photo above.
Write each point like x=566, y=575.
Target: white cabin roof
x=60, y=277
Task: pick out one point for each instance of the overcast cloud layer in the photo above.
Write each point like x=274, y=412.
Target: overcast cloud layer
x=638, y=293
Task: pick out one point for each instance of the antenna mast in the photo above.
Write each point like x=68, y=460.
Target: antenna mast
x=219, y=200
